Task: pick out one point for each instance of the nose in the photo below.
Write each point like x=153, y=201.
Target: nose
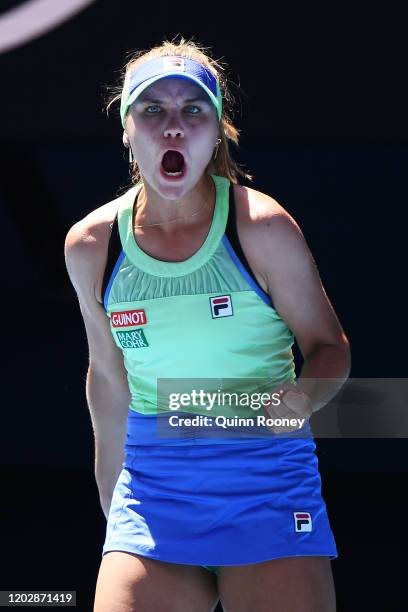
x=173, y=132
x=173, y=127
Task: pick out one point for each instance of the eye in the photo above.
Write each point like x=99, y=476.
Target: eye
x=155, y=107
x=192, y=109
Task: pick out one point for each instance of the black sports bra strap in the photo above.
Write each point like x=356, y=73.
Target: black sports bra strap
x=232, y=235
x=114, y=250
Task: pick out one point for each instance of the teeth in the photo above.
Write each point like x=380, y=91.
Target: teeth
x=173, y=173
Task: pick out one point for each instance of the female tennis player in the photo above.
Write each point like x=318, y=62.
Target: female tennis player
x=190, y=276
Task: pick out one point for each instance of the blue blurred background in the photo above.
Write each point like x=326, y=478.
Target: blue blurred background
x=322, y=113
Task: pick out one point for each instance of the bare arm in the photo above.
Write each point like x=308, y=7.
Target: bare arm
x=107, y=390
x=291, y=278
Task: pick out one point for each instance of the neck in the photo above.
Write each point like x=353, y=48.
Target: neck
x=154, y=210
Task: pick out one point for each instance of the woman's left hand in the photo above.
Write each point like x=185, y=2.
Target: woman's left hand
x=292, y=403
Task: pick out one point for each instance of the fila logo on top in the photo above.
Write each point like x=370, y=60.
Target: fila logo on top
x=303, y=521
x=221, y=306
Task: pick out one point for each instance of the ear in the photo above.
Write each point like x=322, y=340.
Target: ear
x=125, y=139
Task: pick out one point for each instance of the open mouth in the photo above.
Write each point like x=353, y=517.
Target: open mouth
x=173, y=163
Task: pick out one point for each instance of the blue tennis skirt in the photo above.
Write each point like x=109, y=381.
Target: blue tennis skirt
x=214, y=502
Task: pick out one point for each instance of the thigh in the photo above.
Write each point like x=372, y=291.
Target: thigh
x=301, y=584
x=132, y=583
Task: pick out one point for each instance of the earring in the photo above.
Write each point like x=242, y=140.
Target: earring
x=131, y=165
x=216, y=145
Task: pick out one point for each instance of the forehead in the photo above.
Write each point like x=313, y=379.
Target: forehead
x=173, y=87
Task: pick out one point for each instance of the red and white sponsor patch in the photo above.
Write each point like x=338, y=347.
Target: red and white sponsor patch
x=127, y=318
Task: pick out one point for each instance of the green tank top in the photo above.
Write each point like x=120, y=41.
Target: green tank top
x=203, y=320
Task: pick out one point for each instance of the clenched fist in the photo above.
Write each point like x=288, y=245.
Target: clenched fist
x=288, y=403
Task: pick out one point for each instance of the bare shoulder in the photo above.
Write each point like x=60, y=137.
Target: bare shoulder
x=263, y=222
x=255, y=207
x=86, y=247
x=93, y=230
x=265, y=229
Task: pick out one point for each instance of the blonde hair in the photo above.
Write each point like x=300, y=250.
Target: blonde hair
x=223, y=164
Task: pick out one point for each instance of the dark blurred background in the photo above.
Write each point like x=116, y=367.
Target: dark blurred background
x=322, y=114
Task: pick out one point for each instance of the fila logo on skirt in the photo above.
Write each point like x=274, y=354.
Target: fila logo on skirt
x=303, y=521
x=221, y=306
